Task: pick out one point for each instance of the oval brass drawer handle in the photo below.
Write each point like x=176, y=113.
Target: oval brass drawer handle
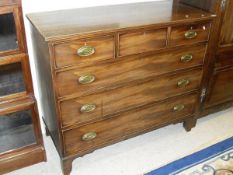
x=186, y=58
x=179, y=107
x=190, y=34
x=86, y=79
x=183, y=83
x=87, y=108
x=89, y=136
x=85, y=51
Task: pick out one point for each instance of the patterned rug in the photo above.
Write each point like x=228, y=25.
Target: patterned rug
x=214, y=160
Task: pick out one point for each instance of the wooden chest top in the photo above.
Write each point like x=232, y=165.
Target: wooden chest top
x=67, y=23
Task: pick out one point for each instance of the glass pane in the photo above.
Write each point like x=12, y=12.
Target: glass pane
x=8, y=38
x=11, y=79
x=16, y=130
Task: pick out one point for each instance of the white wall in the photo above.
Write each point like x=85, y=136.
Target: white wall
x=31, y=6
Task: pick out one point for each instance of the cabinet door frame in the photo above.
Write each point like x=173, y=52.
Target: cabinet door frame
x=19, y=27
x=24, y=61
x=31, y=105
x=211, y=91
x=223, y=15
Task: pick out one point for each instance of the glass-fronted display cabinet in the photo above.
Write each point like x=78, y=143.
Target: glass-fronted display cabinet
x=21, y=142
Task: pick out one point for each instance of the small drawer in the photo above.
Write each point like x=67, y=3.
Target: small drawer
x=85, y=51
x=142, y=41
x=189, y=34
x=124, y=71
x=128, y=97
x=99, y=134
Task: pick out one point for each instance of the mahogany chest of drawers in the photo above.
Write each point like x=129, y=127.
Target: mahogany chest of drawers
x=111, y=73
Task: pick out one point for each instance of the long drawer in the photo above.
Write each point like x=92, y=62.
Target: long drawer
x=126, y=70
x=90, y=137
x=84, y=109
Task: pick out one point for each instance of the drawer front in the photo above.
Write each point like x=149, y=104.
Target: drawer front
x=123, y=71
x=189, y=34
x=84, y=52
x=142, y=41
x=90, y=137
x=222, y=88
x=128, y=97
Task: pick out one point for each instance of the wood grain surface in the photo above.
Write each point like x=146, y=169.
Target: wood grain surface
x=178, y=34
x=129, y=97
x=125, y=70
x=65, y=23
x=221, y=87
x=66, y=53
x=142, y=41
x=126, y=124
x=136, y=68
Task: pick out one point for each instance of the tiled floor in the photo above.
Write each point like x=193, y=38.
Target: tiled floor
x=143, y=153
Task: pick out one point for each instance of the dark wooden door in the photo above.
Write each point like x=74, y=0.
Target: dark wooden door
x=220, y=90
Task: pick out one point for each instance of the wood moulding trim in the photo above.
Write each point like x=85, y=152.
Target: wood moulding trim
x=22, y=158
x=223, y=69
x=10, y=2
x=224, y=48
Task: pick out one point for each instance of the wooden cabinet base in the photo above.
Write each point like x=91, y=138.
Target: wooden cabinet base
x=22, y=159
x=189, y=124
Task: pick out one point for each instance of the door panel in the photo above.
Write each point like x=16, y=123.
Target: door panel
x=226, y=37
x=15, y=80
x=11, y=79
x=8, y=38
x=12, y=39
x=16, y=130
x=222, y=88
